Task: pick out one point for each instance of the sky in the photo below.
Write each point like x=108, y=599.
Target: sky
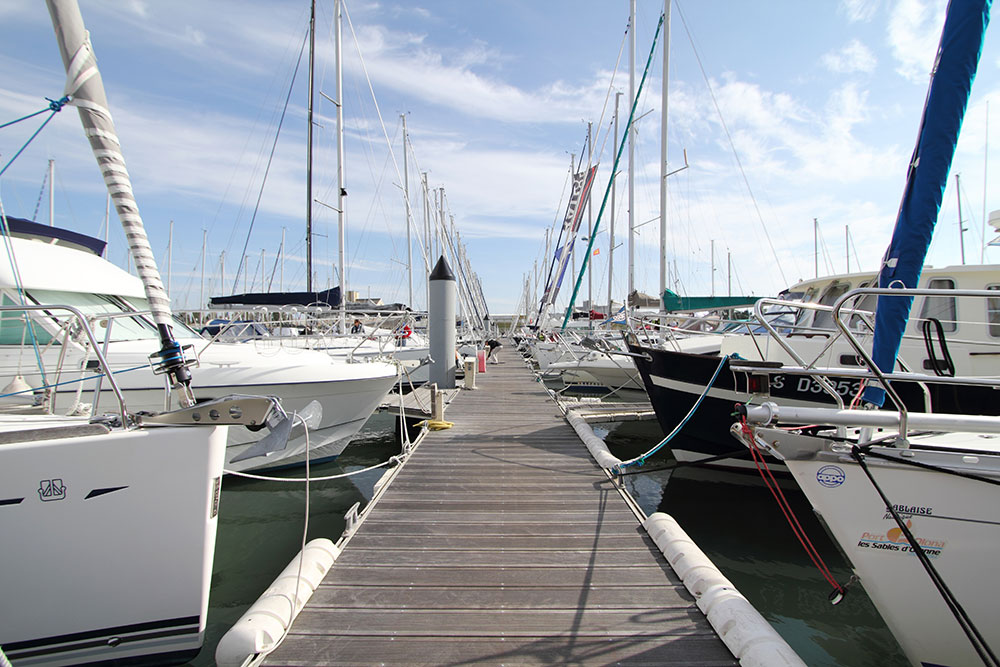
x=780, y=113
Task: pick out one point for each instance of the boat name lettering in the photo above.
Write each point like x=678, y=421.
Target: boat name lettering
x=910, y=510
x=777, y=381
x=843, y=387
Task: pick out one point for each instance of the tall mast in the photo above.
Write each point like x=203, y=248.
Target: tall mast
x=406, y=194
x=309, y=148
x=52, y=193
x=611, y=226
x=961, y=229
x=590, y=224
x=204, y=246
x=631, y=152
x=341, y=192
x=663, y=148
x=170, y=256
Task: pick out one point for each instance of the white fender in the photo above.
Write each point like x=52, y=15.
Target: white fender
x=266, y=621
x=741, y=627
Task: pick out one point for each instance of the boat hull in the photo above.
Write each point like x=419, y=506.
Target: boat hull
x=954, y=519
x=108, y=544
x=675, y=380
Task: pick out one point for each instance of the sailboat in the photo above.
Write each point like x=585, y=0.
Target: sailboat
x=314, y=307
x=342, y=396
x=109, y=523
x=910, y=497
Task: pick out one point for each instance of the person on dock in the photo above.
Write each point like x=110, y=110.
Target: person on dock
x=492, y=344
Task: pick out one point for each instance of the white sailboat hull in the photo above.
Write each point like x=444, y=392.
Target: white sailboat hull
x=108, y=543
x=954, y=519
x=348, y=393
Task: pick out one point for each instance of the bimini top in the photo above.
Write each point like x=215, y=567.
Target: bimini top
x=26, y=229
x=43, y=265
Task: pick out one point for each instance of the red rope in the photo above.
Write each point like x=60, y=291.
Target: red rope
x=772, y=484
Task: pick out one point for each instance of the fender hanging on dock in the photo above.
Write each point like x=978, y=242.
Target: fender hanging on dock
x=264, y=624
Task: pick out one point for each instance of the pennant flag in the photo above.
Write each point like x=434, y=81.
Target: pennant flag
x=617, y=317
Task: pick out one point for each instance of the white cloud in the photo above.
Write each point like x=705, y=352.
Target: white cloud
x=914, y=33
x=854, y=57
x=859, y=10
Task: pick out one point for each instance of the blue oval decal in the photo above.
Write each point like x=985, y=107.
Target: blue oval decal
x=831, y=476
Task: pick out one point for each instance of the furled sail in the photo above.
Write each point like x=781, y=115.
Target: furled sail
x=951, y=83
x=85, y=90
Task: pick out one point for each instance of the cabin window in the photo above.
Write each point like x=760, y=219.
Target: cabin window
x=824, y=318
x=941, y=308
x=868, y=303
x=95, y=305
x=803, y=315
x=180, y=328
x=993, y=312
x=14, y=331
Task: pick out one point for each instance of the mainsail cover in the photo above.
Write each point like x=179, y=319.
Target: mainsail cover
x=947, y=98
x=329, y=297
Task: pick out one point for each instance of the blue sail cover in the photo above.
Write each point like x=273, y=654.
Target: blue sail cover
x=951, y=82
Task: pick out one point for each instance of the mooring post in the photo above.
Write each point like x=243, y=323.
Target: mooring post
x=441, y=325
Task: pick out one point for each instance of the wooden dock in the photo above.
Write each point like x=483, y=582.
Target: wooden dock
x=501, y=542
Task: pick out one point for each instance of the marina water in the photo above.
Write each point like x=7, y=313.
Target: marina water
x=731, y=516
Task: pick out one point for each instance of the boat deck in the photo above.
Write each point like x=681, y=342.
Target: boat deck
x=500, y=541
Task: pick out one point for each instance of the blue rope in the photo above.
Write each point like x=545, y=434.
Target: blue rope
x=55, y=106
x=641, y=460
x=60, y=384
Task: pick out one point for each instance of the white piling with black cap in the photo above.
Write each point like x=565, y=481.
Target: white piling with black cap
x=441, y=325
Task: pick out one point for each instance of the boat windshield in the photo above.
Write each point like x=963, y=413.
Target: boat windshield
x=180, y=328
x=94, y=305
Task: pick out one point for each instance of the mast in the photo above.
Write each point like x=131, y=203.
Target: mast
x=816, y=247
x=406, y=194
x=631, y=152
x=961, y=230
x=663, y=148
x=590, y=226
x=86, y=90
x=204, y=246
x=309, y=146
x=847, y=246
x=713, y=267
x=611, y=226
x=170, y=256
x=341, y=192
x=52, y=193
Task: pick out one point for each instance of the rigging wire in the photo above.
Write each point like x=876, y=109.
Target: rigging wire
x=270, y=158
x=399, y=177
x=614, y=168
x=732, y=146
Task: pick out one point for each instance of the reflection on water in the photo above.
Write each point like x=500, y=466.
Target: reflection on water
x=731, y=516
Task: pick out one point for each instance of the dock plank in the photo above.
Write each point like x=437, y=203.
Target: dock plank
x=501, y=542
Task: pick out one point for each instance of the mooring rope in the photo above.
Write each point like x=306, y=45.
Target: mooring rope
x=640, y=460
